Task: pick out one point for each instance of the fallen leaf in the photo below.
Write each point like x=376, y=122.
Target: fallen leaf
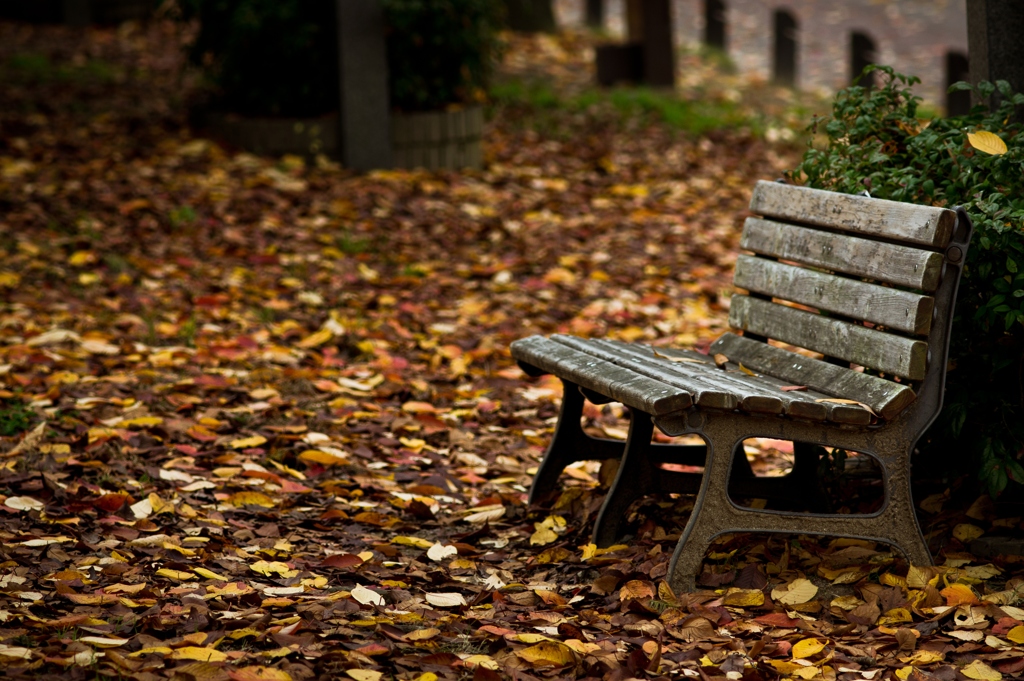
x=808, y=647
x=989, y=143
x=367, y=596
x=198, y=654
x=446, y=600
x=247, y=442
x=438, y=552
x=980, y=671
x=796, y=592
x=24, y=504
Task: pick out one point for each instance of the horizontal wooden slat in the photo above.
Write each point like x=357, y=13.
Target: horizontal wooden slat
x=886, y=397
x=907, y=222
x=854, y=343
x=878, y=260
x=705, y=393
x=630, y=388
x=756, y=391
x=890, y=307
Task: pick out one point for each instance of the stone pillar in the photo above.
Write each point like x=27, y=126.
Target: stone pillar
x=659, y=47
x=995, y=44
x=364, y=134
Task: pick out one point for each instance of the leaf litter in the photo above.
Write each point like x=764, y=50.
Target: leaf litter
x=264, y=424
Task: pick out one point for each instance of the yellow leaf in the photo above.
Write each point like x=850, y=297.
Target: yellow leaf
x=966, y=532
x=589, y=551
x=989, y=143
x=798, y=591
x=413, y=541
x=422, y=634
x=743, y=598
x=151, y=650
x=247, y=442
x=543, y=536
x=889, y=579
x=321, y=457
x=808, y=647
x=485, y=661
x=895, y=616
x=923, y=657
x=141, y=422
x=364, y=674
x=315, y=339
x=1016, y=634
x=904, y=672
x=198, y=654
x=209, y=574
x=548, y=654
x=794, y=669
x=176, y=575
x=80, y=258
x=268, y=568
x=981, y=671
x=251, y=499
x=530, y=637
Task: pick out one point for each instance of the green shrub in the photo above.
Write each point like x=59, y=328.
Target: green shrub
x=268, y=57
x=440, y=52
x=876, y=142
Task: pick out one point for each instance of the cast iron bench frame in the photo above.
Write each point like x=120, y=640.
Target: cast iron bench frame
x=882, y=276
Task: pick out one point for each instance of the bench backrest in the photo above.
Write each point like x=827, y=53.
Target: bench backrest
x=863, y=274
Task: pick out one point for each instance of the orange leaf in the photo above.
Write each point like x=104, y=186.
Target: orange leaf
x=959, y=594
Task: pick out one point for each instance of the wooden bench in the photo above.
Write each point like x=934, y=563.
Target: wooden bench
x=869, y=284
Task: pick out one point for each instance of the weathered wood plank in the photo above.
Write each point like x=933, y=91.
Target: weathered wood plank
x=799, y=404
x=630, y=388
x=907, y=222
x=747, y=393
x=705, y=393
x=870, y=348
x=890, y=307
x=887, y=398
x=878, y=260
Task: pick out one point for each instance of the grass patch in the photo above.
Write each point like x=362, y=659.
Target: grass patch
x=537, y=104
x=30, y=68
x=15, y=418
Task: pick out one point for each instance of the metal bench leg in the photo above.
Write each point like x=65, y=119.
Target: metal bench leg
x=569, y=444
x=714, y=514
x=898, y=512
x=636, y=477
x=703, y=525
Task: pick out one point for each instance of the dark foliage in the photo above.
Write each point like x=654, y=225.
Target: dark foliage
x=268, y=57
x=876, y=142
x=440, y=52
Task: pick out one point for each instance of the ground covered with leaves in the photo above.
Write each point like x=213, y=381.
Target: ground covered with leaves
x=258, y=418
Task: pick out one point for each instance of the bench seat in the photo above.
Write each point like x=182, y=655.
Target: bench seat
x=659, y=381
